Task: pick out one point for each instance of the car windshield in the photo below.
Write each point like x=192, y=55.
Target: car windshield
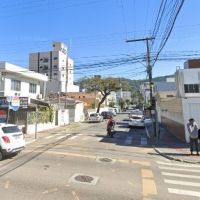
x=93, y=115
x=10, y=129
x=136, y=117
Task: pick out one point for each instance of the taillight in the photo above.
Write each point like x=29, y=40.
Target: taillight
x=6, y=139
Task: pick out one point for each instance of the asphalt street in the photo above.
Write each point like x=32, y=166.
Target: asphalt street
x=82, y=163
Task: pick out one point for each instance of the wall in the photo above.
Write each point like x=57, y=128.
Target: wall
x=79, y=112
x=171, y=115
x=191, y=109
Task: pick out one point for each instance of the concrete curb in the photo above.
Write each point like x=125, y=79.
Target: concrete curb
x=173, y=158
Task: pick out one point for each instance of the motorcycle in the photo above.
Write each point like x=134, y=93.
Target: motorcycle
x=111, y=130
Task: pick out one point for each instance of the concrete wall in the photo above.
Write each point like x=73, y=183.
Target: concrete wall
x=191, y=109
x=79, y=112
x=171, y=115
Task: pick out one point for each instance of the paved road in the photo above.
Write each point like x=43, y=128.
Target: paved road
x=81, y=163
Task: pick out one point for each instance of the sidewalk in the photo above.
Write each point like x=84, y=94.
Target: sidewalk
x=170, y=147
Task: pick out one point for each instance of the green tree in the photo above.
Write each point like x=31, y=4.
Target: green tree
x=103, y=85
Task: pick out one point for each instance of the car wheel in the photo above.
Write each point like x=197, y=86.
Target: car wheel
x=1, y=156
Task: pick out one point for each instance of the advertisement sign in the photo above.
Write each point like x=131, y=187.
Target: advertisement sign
x=14, y=103
x=3, y=116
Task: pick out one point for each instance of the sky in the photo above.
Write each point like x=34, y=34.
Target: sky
x=96, y=31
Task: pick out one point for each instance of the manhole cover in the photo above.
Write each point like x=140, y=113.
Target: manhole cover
x=84, y=179
x=87, y=179
x=105, y=160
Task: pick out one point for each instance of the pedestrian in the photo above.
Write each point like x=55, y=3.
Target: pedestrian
x=193, y=131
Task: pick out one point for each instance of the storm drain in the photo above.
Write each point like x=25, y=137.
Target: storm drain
x=84, y=179
x=105, y=160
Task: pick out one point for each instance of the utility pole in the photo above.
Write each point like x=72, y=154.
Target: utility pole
x=149, y=71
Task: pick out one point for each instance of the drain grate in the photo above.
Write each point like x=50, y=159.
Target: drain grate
x=105, y=160
x=84, y=179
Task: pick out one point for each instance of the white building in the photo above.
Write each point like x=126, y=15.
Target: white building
x=18, y=81
x=57, y=66
x=177, y=106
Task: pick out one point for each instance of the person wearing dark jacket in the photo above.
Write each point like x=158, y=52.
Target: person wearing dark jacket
x=193, y=131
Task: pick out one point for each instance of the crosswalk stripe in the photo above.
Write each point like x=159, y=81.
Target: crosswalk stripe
x=184, y=192
x=174, y=182
x=179, y=169
x=180, y=165
x=180, y=175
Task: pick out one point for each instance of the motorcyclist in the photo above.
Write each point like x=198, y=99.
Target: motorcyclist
x=110, y=126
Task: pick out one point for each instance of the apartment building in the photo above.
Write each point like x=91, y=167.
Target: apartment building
x=57, y=65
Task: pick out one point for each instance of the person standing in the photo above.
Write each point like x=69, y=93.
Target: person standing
x=193, y=131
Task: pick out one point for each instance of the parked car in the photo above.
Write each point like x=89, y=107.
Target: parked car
x=136, y=120
x=136, y=112
x=95, y=117
x=113, y=111
x=11, y=140
x=107, y=114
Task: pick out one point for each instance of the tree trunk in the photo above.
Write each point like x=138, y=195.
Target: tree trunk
x=102, y=100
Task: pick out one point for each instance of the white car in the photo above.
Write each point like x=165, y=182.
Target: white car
x=11, y=140
x=136, y=120
x=95, y=117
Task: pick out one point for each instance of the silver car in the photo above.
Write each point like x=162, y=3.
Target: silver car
x=95, y=117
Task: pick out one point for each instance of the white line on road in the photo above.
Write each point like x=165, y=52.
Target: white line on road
x=180, y=169
x=174, y=182
x=180, y=175
x=180, y=165
x=73, y=137
x=184, y=192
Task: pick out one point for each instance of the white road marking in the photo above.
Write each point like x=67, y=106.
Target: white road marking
x=180, y=165
x=73, y=137
x=174, y=182
x=184, y=192
x=180, y=169
x=180, y=175
x=128, y=140
x=143, y=141
x=60, y=137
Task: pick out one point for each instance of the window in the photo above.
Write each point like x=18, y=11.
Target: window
x=45, y=59
x=55, y=58
x=45, y=67
x=55, y=74
x=32, y=88
x=55, y=66
x=15, y=85
x=41, y=59
x=191, y=88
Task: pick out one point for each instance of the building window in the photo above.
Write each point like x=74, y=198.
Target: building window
x=45, y=67
x=41, y=59
x=32, y=88
x=55, y=58
x=45, y=59
x=191, y=88
x=55, y=66
x=15, y=85
x=55, y=74
x=41, y=66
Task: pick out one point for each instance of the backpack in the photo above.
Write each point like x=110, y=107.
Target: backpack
x=199, y=134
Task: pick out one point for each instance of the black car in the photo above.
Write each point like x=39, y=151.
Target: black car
x=106, y=114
